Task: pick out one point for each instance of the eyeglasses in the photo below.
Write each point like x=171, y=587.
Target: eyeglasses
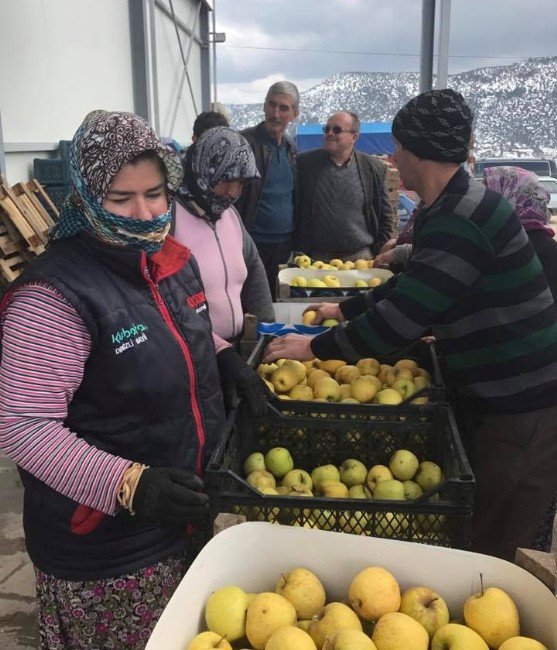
x=336, y=129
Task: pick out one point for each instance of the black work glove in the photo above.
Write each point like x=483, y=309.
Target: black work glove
x=170, y=497
x=233, y=369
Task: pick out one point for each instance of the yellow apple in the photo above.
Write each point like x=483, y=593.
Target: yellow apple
x=347, y=374
x=522, y=643
x=290, y=637
x=422, y=372
x=314, y=375
x=331, y=281
x=308, y=317
x=297, y=477
x=333, y=489
x=356, y=522
x=384, y=368
x=429, y=475
x=261, y=478
x=303, y=261
x=370, y=264
x=254, y=462
x=353, y=472
x=318, y=264
x=333, y=618
x=303, y=393
x=409, y=364
x=376, y=474
x=304, y=590
x=405, y=387
x=361, y=265
x=360, y=284
x=425, y=606
x=284, y=378
x=493, y=615
x=208, y=641
x=374, y=282
x=392, y=489
x=347, y=266
x=412, y=490
x=331, y=365
x=266, y=369
x=315, y=283
x=225, y=612
x=330, y=322
x=359, y=492
x=298, y=281
x=397, y=631
x=303, y=625
x=344, y=393
x=363, y=389
x=324, y=473
x=326, y=388
x=454, y=636
x=374, y=592
x=403, y=464
x=388, y=396
x=349, y=640
x=266, y=614
x=336, y=263
x=368, y=366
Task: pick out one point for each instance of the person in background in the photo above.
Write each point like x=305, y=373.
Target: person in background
x=343, y=207
x=474, y=279
x=267, y=205
x=110, y=400
x=217, y=165
x=530, y=199
x=207, y=120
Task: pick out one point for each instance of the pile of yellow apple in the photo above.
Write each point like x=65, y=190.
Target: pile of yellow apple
x=367, y=382
x=376, y=615
x=274, y=474
x=332, y=282
x=304, y=262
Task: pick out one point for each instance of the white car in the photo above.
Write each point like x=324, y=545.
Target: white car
x=550, y=185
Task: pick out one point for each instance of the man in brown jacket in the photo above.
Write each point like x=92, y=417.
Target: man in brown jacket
x=343, y=208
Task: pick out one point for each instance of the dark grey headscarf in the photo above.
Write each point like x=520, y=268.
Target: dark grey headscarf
x=220, y=154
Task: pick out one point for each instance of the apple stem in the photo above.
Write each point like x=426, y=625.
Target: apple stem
x=432, y=601
x=482, y=583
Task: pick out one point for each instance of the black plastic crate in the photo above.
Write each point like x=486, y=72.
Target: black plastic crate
x=51, y=170
x=57, y=193
x=441, y=517
x=423, y=353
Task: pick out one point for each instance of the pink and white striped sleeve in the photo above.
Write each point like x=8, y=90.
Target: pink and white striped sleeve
x=45, y=345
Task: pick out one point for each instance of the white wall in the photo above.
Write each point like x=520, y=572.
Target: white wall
x=59, y=59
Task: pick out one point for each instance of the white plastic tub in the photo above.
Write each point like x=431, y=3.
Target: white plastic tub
x=254, y=555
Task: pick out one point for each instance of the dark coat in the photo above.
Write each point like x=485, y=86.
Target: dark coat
x=248, y=203
x=378, y=210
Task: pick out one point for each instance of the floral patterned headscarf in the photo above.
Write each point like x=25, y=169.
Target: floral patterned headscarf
x=219, y=155
x=524, y=192
x=102, y=145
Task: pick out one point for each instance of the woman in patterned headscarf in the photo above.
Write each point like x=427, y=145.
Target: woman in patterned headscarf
x=109, y=394
x=530, y=199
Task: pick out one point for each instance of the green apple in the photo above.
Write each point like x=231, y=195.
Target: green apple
x=352, y=472
x=492, y=613
x=324, y=519
x=377, y=474
x=391, y=524
x=279, y=461
x=297, y=478
x=425, y=606
x=324, y=473
x=355, y=522
x=429, y=475
x=412, y=490
x=392, y=489
x=225, y=612
x=457, y=637
x=254, y=462
x=403, y=464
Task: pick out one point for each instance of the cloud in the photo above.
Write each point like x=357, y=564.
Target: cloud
x=253, y=92
x=311, y=39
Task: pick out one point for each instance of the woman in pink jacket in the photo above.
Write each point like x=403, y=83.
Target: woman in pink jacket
x=215, y=168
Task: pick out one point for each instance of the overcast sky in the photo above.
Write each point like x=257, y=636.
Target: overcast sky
x=306, y=41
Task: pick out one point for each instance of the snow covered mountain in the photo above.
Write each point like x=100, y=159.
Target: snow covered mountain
x=515, y=106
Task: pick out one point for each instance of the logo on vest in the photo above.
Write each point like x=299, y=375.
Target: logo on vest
x=197, y=302
x=128, y=337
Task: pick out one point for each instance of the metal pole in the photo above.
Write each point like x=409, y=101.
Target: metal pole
x=443, y=49
x=154, y=73
x=214, y=18
x=2, y=153
x=426, y=53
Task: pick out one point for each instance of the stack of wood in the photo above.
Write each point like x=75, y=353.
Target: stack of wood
x=26, y=216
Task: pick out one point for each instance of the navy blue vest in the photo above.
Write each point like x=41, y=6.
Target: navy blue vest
x=150, y=393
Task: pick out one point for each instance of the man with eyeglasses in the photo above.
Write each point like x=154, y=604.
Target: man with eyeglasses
x=267, y=204
x=343, y=204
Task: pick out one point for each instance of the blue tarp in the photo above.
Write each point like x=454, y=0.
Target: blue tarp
x=375, y=137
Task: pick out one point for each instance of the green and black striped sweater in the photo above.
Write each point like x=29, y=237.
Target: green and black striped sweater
x=475, y=282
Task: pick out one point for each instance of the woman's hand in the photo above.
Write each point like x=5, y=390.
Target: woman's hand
x=291, y=346
x=323, y=311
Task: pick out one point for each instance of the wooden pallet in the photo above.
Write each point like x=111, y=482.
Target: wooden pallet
x=26, y=221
